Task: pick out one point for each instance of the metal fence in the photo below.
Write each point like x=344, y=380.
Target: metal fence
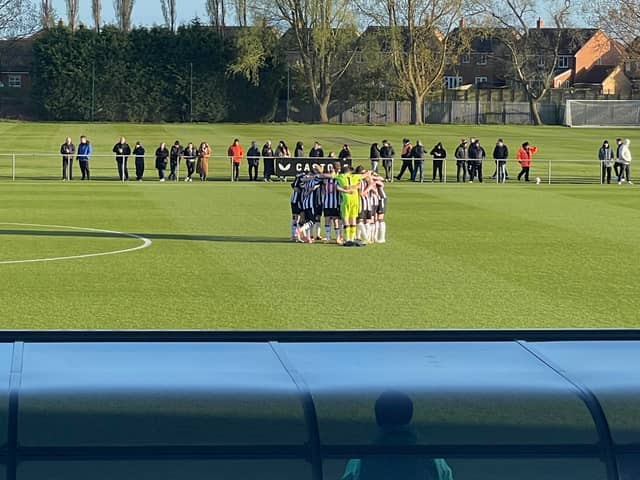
x=45, y=166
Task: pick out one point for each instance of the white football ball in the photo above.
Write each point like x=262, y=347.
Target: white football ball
x=538, y=180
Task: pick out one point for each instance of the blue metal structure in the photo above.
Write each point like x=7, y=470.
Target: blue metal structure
x=300, y=405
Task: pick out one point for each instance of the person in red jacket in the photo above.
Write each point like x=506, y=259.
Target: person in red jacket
x=236, y=153
x=524, y=157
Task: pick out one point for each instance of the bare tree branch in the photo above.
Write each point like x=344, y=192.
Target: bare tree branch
x=96, y=13
x=169, y=13
x=123, y=10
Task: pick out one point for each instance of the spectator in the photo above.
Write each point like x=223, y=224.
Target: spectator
x=625, y=158
x=345, y=155
x=418, y=153
x=461, y=154
x=439, y=154
x=524, y=156
x=138, y=151
x=190, y=154
x=387, y=153
x=84, y=154
x=316, y=151
x=605, y=155
x=374, y=155
x=407, y=164
x=174, y=159
x=253, y=159
x=476, y=156
x=122, y=151
x=500, y=155
x=204, y=153
x=617, y=166
x=67, y=149
x=236, y=153
x=162, y=155
x=282, y=151
x=268, y=160
x=298, y=152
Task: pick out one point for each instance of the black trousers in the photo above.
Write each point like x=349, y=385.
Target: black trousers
x=624, y=172
x=139, y=168
x=173, y=164
x=269, y=168
x=525, y=172
x=501, y=170
x=84, y=169
x=406, y=165
x=191, y=168
x=437, y=167
x=475, y=168
x=461, y=166
x=236, y=171
x=253, y=170
x=606, y=174
x=123, y=168
x=617, y=167
x=67, y=168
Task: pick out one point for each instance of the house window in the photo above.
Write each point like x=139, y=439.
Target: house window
x=359, y=57
x=540, y=60
x=15, y=81
x=452, y=81
x=599, y=61
x=465, y=58
x=482, y=59
x=563, y=61
x=480, y=80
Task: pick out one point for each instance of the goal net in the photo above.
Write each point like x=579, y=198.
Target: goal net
x=602, y=113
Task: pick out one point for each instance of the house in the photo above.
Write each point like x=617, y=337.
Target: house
x=487, y=61
x=604, y=80
x=16, y=59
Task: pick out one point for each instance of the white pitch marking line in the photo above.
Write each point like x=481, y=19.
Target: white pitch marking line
x=145, y=243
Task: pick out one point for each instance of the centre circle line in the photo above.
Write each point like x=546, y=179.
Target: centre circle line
x=145, y=243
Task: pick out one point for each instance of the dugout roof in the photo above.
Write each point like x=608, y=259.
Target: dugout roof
x=111, y=407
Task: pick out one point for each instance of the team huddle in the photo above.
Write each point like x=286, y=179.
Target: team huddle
x=353, y=203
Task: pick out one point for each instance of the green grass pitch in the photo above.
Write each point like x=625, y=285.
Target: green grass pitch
x=458, y=256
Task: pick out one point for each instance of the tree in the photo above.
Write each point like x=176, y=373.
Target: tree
x=532, y=52
x=47, y=14
x=72, y=13
x=620, y=19
x=322, y=36
x=123, y=10
x=17, y=18
x=96, y=13
x=415, y=35
x=169, y=13
x=216, y=11
x=241, y=12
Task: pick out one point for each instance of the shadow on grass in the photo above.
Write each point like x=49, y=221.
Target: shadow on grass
x=151, y=236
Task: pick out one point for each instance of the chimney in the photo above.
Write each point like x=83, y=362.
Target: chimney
x=539, y=23
x=463, y=23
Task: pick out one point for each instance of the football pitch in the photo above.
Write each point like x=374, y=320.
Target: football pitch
x=217, y=255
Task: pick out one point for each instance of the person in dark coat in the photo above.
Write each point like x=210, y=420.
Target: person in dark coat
x=387, y=153
x=162, y=156
x=374, y=155
x=122, y=151
x=461, y=154
x=268, y=161
x=418, y=153
x=253, y=159
x=316, y=151
x=439, y=154
x=298, y=152
x=476, y=157
x=174, y=159
x=407, y=163
x=500, y=155
x=67, y=149
x=345, y=155
x=138, y=151
x=605, y=155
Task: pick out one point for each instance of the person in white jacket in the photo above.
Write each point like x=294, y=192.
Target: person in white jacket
x=625, y=157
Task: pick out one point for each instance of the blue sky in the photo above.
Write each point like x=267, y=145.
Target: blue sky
x=145, y=12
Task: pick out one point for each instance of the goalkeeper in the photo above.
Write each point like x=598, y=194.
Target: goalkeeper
x=348, y=184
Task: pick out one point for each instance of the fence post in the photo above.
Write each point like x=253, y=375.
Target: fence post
x=549, y=171
x=13, y=167
x=444, y=164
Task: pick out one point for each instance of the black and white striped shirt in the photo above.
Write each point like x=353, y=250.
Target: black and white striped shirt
x=310, y=192
x=331, y=193
x=296, y=195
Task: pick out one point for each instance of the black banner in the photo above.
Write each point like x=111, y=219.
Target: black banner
x=290, y=167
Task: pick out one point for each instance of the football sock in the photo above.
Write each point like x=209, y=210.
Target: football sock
x=327, y=231
x=294, y=225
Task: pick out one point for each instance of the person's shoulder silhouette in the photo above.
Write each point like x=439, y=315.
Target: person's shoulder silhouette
x=394, y=411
